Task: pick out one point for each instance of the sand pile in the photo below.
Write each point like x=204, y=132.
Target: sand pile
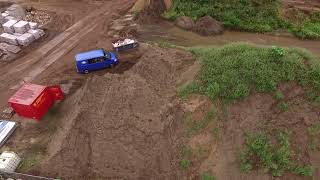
x=123, y=126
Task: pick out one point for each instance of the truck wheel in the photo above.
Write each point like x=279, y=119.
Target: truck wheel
x=86, y=71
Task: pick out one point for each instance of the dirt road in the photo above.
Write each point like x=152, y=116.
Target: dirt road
x=30, y=66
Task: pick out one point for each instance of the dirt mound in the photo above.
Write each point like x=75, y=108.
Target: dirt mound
x=122, y=126
x=152, y=11
x=208, y=26
x=185, y=22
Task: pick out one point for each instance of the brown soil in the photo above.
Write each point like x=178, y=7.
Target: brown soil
x=152, y=12
x=122, y=126
x=258, y=113
x=124, y=123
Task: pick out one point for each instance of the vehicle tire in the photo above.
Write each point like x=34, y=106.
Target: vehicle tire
x=86, y=71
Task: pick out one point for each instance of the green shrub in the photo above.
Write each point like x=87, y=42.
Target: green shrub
x=278, y=96
x=283, y=106
x=277, y=52
x=232, y=71
x=184, y=164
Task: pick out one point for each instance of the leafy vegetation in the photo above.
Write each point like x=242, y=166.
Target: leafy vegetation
x=233, y=71
x=259, y=152
x=206, y=176
x=283, y=106
x=184, y=164
x=279, y=96
x=248, y=15
x=309, y=28
x=253, y=15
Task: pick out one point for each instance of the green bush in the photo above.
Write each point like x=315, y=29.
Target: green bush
x=184, y=164
x=279, y=96
x=283, y=106
x=277, y=52
x=231, y=72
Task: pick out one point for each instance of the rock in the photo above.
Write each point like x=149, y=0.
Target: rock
x=208, y=26
x=185, y=22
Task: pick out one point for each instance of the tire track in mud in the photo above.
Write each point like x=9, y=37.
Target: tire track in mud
x=35, y=63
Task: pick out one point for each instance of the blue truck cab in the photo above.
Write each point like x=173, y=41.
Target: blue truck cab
x=95, y=60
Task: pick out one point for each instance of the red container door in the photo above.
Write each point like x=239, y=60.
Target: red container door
x=42, y=104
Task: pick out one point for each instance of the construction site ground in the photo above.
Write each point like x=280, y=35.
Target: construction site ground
x=127, y=122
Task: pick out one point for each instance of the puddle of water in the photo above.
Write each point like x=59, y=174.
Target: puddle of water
x=175, y=35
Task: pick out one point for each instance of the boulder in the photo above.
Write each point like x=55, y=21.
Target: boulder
x=185, y=22
x=208, y=26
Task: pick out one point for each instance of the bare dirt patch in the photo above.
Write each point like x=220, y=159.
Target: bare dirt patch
x=257, y=113
x=122, y=126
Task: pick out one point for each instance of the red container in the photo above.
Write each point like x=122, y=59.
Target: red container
x=33, y=101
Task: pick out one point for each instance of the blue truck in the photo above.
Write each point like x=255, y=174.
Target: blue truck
x=95, y=60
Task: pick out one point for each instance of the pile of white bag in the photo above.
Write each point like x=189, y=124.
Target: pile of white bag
x=18, y=32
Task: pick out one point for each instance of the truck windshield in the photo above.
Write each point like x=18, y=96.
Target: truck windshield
x=107, y=55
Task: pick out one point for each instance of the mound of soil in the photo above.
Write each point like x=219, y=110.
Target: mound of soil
x=185, y=22
x=208, y=26
x=151, y=13
x=123, y=126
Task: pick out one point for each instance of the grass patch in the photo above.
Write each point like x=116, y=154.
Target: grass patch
x=248, y=15
x=259, y=152
x=233, y=71
x=206, y=176
x=309, y=28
